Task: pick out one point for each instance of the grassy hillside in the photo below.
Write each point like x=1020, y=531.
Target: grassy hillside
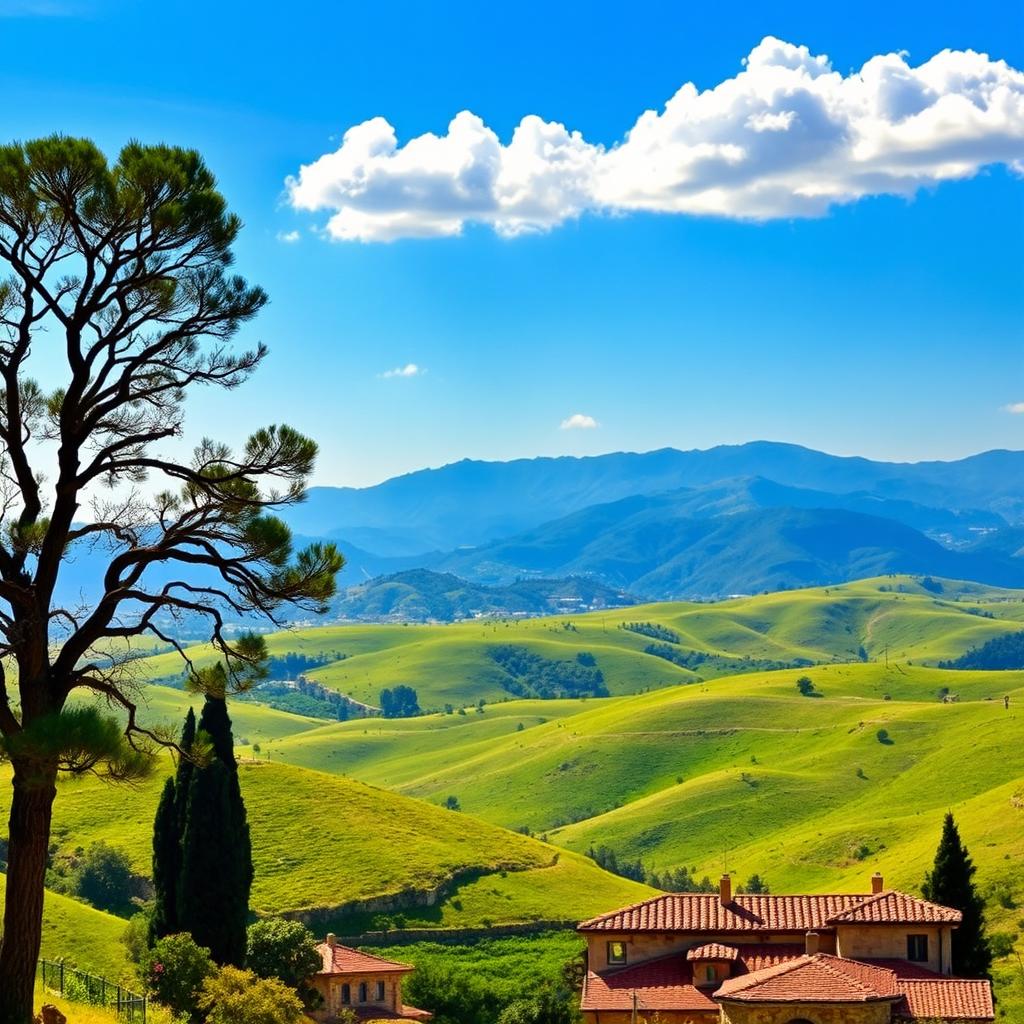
x=85, y=937
x=627, y=769
x=320, y=841
x=889, y=617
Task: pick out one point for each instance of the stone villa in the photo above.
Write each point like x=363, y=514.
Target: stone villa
x=685, y=958
x=369, y=986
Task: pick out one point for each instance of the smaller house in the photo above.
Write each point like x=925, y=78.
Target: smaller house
x=369, y=986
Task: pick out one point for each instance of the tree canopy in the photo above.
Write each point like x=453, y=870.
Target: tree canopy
x=119, y=290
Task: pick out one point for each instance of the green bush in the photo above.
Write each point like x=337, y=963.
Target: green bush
x=234, y=996
x=174, y=971
x=104, y=878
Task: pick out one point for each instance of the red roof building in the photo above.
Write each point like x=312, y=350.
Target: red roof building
x=368, y=985
x=873, y=958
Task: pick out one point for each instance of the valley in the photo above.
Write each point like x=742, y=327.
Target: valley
x=725, y=763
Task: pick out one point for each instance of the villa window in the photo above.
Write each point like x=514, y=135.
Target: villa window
x=363, y=992
x=616, y=952
x=380, y=991
x=346, y=994
x=917, y=948
x=709, y=973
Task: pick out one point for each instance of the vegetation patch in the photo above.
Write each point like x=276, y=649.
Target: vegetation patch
x=531, y=675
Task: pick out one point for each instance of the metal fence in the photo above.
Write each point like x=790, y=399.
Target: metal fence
x=80, y=987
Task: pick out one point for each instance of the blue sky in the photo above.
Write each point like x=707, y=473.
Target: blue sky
x=887, y=326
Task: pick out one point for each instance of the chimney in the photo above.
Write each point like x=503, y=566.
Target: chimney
x=877, y=883
x=725, y=891
x=812, y=943
x=332, y=939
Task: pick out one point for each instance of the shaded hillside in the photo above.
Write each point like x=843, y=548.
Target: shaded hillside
x=419, y=595
x=656, y=546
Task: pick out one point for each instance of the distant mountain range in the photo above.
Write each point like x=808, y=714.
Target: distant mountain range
x=665, y=524
x=673, y=524
x=472, y=503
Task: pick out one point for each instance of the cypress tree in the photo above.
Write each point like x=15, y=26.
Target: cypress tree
x=950, y=883
x=168, y=827
x=216, y=858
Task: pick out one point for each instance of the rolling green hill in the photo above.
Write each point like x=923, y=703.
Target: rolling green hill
x=682, y=767
x=898, y=618
x=87, y=938
x=321, y=841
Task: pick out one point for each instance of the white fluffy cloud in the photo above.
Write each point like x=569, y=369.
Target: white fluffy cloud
x=409, y=370
x=1017, y=408
x=288, y=237
x=579, y=421
x=786, y=137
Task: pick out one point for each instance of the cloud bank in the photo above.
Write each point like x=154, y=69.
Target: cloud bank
x=1016, y=408
x=579, y=421
x=788, y=136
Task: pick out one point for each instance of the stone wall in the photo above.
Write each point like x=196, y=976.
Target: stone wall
x=889, y=942
x=641, y=946
x=815, y=1013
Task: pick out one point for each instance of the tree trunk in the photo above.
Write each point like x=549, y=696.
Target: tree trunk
x=31, y=814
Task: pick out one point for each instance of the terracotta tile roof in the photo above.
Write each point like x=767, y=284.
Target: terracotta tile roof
x=892, y=907
x=756, y=956
x=703, y=912
x=947, y=999
x=821, y=978
x=662, y=984
x=345, y=960
x=713, y=951
x=903, y=968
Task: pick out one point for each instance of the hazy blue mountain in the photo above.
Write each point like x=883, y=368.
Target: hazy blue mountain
x=420, y=595
x=658, y=547
x=469, y=503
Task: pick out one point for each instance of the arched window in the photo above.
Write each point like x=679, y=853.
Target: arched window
x=709, y=973
x=346, y=994
x=380, y=991
x=362, y=991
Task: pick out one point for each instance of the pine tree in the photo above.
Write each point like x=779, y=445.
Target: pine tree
x=950, y=883
x=216, y=853
x=168, y=828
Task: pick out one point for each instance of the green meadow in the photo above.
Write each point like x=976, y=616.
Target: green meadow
x=726, y=766
x=894, y=618
x=320, y=841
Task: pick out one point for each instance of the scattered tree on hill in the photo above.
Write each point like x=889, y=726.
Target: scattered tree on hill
x=121, y=274
x=531, y=675
x=104, y=878
x=951, y=884
x=680, y=879
x=285, y=950
x=452, y=803
x=755, y=885
x=806, y=686
x=1001, y=653
x=400, y=702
